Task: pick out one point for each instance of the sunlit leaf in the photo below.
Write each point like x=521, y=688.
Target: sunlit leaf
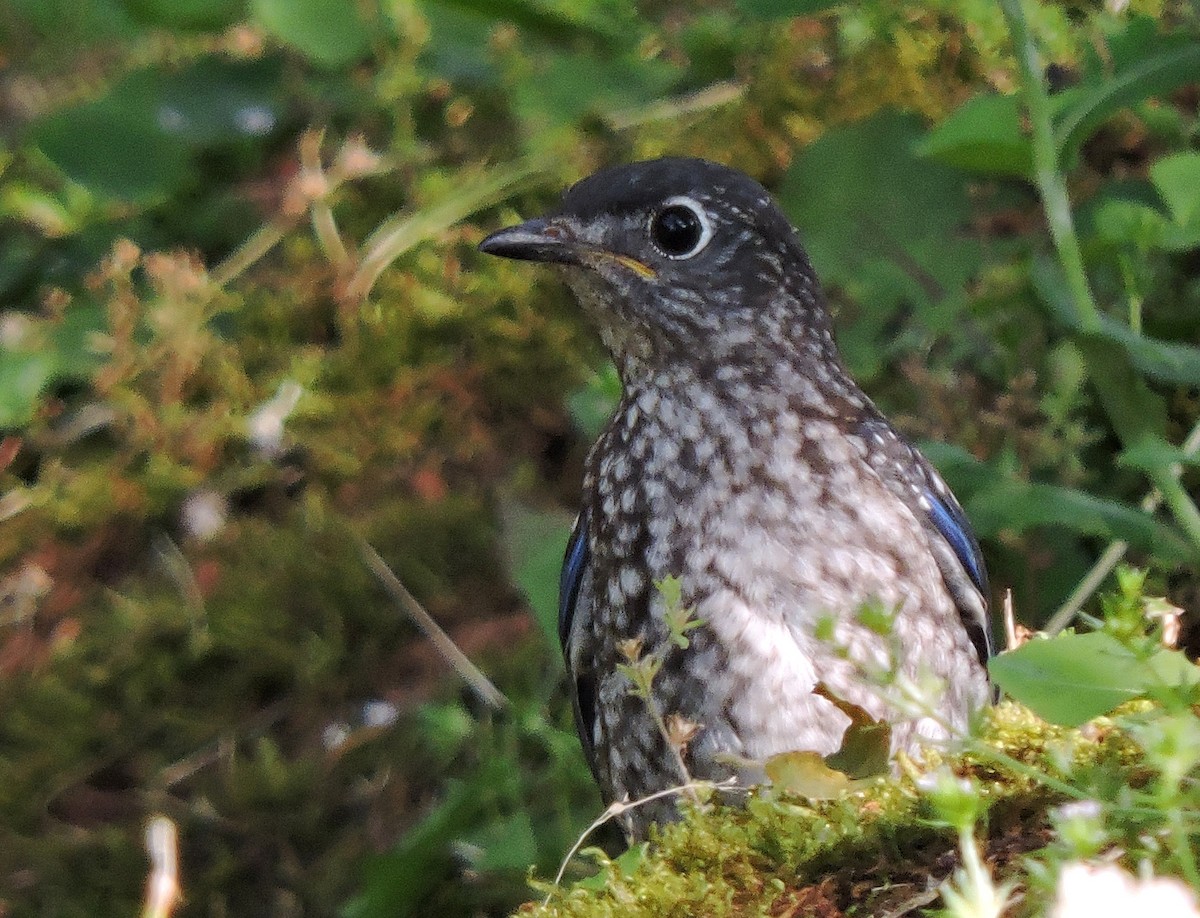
x=626, y=864
x=22, y=378
x=866, y=745
x=806, y=774
x=1072, y=678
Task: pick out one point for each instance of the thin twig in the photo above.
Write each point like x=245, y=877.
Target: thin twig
x=320, y=212
x=212, y=752
x=402, y=231
x=619, y=807
x=265, y=238
x=709, y=97
x=471, y=674
x=1010, y=622
x=162, y=887
x=176, y=564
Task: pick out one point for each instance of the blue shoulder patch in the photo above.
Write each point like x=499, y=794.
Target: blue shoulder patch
x=572, y=576
x=955, y=529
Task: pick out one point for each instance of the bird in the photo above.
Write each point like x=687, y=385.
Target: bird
x=743, y=463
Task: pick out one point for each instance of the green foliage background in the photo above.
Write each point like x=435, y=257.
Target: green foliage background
x=207, y=204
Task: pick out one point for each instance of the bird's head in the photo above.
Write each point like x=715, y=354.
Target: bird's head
x=679, y=259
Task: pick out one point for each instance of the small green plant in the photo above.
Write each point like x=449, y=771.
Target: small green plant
x=641, y=669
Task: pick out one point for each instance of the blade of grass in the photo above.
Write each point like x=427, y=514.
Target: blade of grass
x=470, y=673
x=402, y=231
x=1050, y=181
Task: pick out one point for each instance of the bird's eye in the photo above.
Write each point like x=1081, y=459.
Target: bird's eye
x=680, y=228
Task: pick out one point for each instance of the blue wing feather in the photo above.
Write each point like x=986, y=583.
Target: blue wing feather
x=572, y=576
x=949, y=520
x=583, y=683
x=917, y=483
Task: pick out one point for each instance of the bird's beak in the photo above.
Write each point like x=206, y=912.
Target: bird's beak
x=551, y=241
x=535, y=240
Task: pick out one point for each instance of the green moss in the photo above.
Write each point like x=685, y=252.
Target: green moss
x=864, y=853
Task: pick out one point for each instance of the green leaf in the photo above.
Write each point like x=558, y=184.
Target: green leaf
x=1155, y=454
x=136, y=142
x=671, y=590
x=1123, y=222
x=1170, y=672
x=1165, y=361
x=217, y=101
x=1017, y=506
x=535, y=543
x=1156, y=74
x=395, y=883
x=983, y=135
x=866, y=744
x=591, y=406
x=1116, y=355
x=609, y=28
x=784, y=9
x=627, y=865
x=113, y=147
x=566, y=87
x=327, y=32
x=1071, y=678
x=884, y=225
x=807, y=774
x=187, y=14
x=1177, y=180
x=508, y=843
x=23, y=376
x=458, y=48
x=864, y=753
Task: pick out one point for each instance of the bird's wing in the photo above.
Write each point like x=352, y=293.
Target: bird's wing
x=575, y=563
x=911, y=477
x=574, y=597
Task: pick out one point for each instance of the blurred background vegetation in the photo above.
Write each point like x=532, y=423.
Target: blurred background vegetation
x=244, y=333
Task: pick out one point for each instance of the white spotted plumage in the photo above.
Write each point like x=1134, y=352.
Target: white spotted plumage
x=743, y=460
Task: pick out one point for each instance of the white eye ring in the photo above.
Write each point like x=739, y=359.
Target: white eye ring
x=673, y=233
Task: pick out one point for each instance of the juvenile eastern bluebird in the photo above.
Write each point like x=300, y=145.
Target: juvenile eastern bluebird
x=743, y=460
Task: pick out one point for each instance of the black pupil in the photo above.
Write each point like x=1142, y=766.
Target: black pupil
x=676, y=229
